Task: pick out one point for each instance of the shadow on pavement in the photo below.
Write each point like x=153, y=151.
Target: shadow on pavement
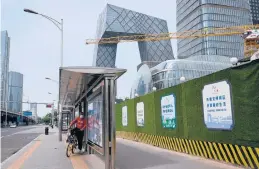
x=126, y=158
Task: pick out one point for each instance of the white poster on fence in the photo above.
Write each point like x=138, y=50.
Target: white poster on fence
x=140, y=114
x=124, y=116
x=168, y=111
x=217, y=106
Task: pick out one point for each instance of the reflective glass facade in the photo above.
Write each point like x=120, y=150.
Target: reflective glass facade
x=255, y=11
x=143, y=82
x=15, y=92
x=168, y=73
x=200, y=14
x=116, y=21
x=5, y=48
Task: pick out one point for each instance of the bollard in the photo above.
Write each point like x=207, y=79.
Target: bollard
x=46, y=130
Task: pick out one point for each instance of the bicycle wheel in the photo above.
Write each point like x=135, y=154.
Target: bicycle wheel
x=73, y=149
x=69, y=150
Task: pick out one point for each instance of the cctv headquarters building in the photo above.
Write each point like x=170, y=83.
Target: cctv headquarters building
x=158, y=67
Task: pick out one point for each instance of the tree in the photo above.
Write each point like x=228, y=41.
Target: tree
x=40, y=120
x=47, y=118
x=118, y=100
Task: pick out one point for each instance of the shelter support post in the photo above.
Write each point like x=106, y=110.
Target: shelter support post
x=85, y=115
x=59, y=122
x=110, y=134
x=113, y=122
x=73, y=116
x=80, y=108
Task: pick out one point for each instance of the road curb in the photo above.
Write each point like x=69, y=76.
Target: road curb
x=12, y=157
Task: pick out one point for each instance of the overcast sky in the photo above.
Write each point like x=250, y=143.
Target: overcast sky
x=35, y=41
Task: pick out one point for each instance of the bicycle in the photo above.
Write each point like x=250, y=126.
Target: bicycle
x=72, y=142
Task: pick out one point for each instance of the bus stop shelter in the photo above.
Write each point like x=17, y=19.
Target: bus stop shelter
x=91, y=90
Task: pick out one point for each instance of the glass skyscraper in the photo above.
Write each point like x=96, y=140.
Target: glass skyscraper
x=5, y=51
x=202, y=14
x=15, y=92
x=115, y=21
x=255, y=11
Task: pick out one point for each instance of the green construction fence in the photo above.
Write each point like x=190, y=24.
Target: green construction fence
x=244, y=81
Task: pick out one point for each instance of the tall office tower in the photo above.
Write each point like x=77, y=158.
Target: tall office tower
x=205, y=14
x=115, y=21
x=254, y=4
x=5, y=54
x=15, y=92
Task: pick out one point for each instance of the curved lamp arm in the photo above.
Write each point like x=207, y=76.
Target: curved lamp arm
x=54, y=21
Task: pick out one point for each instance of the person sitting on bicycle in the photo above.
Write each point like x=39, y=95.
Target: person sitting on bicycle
x=79, y=130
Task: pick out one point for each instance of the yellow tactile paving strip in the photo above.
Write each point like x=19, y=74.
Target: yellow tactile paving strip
x=20, y=161
x=76, y=160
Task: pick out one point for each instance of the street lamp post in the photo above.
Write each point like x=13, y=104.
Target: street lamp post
x=52, y=111
x=59, y=112
x=47, y=78
x=59, y=25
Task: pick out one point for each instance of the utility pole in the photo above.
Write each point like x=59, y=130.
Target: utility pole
x=59, y=25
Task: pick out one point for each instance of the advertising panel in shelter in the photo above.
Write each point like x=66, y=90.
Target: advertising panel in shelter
x=95, y=120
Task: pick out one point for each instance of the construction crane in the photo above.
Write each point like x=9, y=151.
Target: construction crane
x=250, y=44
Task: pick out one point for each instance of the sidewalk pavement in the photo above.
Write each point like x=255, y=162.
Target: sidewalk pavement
x=46, y=152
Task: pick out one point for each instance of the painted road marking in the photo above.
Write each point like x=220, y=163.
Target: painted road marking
x=21, y=131
x=20, y=161
x=11, y=134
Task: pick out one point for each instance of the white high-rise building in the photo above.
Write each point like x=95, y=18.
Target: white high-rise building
x=33, y=107
x=15, y=92
x=4, y=68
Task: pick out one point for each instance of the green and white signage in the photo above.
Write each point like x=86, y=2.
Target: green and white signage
x=124, y=116
x=140, y=114
x=168, y=111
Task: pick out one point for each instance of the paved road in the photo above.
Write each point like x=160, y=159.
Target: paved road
x=9, y=131
x=13, y=139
